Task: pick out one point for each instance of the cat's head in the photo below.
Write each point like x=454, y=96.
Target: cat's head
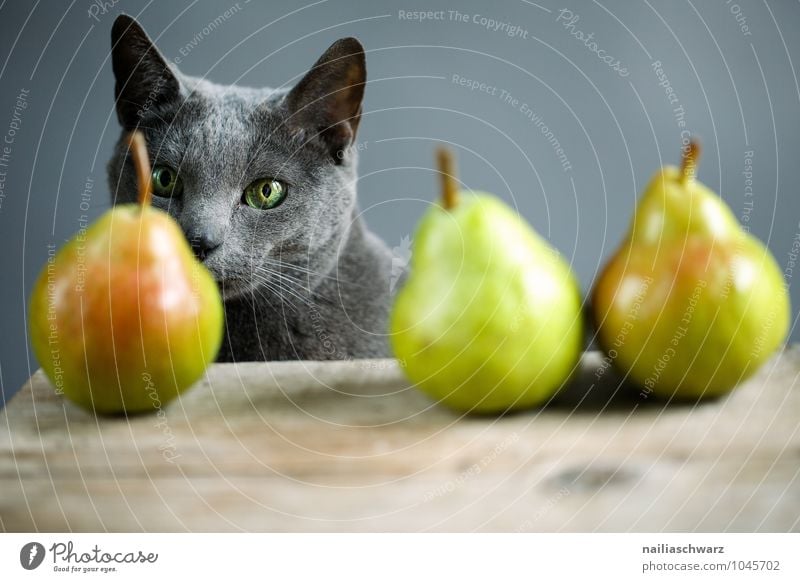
x=253, y=176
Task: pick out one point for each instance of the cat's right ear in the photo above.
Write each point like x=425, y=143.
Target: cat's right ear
x=327, y=100
x=143, y=78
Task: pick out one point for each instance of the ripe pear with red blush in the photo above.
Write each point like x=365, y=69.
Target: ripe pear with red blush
x=123, y=318
x=691, y=304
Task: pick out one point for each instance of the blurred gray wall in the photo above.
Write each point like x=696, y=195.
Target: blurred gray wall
x=536, y=115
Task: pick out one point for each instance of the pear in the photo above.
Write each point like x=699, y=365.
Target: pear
x=691, y=304
x=123, y=318
x=489, y=318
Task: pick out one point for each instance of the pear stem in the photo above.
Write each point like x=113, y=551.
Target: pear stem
x=141, y=162
x=691, y=155
x=446, y=163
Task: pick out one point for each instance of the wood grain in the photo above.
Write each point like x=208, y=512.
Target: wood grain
x=349, y=446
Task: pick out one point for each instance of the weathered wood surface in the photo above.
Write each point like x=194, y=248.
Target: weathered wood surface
x=349, y=446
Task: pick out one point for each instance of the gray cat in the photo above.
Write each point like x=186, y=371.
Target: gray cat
x=263, y=183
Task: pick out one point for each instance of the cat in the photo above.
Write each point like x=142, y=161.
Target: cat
x=263, y=184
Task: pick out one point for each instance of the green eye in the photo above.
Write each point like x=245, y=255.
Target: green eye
x=166, y=182
x=265, y=194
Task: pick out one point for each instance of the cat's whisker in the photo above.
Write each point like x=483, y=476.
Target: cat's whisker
x=273, y=273
x=276, y=294
x=284, y=304
x=267, y=303
x=302, y=298
x=285, y=265
x=298, y=283
x=266, y=281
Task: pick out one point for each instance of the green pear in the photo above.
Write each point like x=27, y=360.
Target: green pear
x=489, y=318
x=123, y=318
x=691, y=304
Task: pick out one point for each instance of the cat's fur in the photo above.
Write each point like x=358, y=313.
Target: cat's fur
x=305, y=280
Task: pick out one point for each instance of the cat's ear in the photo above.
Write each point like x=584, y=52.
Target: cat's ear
x=327, y=101
x=143, y=78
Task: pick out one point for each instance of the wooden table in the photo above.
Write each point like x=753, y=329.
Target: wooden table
x=349, y=446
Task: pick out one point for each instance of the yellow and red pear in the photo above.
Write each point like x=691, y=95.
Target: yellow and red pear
x=691, y=304
x=123, y=318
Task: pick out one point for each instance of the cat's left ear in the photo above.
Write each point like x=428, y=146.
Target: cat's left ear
x=327, y=100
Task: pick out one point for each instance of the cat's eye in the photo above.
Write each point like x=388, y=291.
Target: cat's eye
x=166, y=182
x=265, y=194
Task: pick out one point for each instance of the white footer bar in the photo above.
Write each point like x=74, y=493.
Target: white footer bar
x=406, y=557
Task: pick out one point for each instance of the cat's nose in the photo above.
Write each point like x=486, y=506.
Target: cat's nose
x=203, y=244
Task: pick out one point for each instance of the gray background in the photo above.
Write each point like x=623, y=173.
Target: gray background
x=739, y=90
